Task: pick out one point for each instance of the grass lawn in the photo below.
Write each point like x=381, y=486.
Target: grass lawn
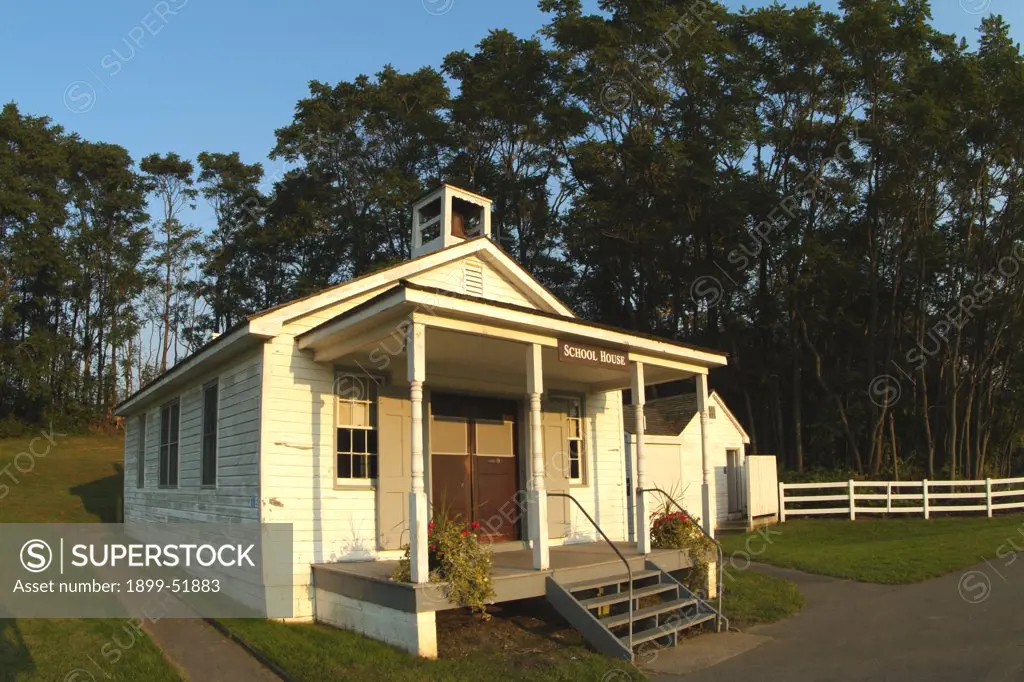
x=891, y=551
x=751, y=598
x=524, y=641
x=511, y=646
x=79, y=480
x=75, y=482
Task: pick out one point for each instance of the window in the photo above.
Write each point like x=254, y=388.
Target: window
x=169, y=418
x=209, y=473
x=140, y=454
x=576, y=449
x=711, y=412
x=357, y=428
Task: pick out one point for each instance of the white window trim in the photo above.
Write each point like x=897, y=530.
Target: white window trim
x=377, y=381
x=177, y=469
x=202, y=436
x=140, y=452
x=583, y=480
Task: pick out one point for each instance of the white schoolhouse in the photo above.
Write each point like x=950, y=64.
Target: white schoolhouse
x=454, y=377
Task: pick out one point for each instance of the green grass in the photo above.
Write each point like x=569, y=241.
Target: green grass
x=77, y=481
x=890, y=551
x=311, y=652
x=751, y=598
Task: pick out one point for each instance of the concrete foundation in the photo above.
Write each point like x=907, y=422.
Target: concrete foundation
x=413, y=632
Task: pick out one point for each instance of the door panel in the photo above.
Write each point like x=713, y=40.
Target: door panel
x=449, y=435
x=555, y=419
x=473, y=454
x=452, y=485
x=495, y=479
x=394, y=481
x=494, y=438
x=732, y=458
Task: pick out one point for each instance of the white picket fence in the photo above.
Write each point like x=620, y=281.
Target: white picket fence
x=901, y=497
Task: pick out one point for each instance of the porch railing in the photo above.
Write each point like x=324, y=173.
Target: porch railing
x=629, y=570
x=718, y=546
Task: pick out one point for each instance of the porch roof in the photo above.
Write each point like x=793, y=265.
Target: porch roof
x=384, y=314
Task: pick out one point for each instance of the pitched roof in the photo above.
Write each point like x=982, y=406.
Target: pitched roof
x=664, y=416
x=669, y=416
x=405, y=284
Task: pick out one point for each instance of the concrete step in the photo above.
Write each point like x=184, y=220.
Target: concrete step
x=608, y=581
x=664, y=607
x=619, y=597
x=667, y=629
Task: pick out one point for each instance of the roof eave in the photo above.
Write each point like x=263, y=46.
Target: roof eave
x=222, y=346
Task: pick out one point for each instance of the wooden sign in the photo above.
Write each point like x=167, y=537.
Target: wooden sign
x=570, y=351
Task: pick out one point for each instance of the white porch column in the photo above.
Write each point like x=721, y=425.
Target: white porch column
x=537, y=495
x=419, y=515
x=643, y=524
x=708, y=510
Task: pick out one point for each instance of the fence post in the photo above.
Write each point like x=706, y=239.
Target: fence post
x=888, y=498
x=782, y=502
x=853, y=503
x=988, y=497
x=924, y=496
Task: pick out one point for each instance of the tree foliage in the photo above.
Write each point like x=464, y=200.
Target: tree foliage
x=832, y=198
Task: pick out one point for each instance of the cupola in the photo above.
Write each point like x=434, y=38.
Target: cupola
x=448, y=216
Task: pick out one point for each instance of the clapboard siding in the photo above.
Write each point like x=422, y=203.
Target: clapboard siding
x=722, y=436
x=451, y=277
x=297, y=465
x=604, y=493
x=238, y=442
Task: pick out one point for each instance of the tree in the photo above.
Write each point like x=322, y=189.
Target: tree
x=169, y=180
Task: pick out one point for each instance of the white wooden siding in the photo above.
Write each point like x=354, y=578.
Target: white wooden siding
x=297, y=464
x=494, y=285
x=686, y=489
x=604, y=493
x=237, y=453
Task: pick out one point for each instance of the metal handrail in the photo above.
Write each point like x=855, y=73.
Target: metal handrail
x=718, y=546
x=629, y=570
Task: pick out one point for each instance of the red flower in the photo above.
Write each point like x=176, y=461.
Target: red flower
x=465, y=533
x=475, y=525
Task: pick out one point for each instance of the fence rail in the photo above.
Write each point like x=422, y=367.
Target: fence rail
x=900, y=497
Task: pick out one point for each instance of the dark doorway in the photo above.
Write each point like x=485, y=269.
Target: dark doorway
x=473, y=444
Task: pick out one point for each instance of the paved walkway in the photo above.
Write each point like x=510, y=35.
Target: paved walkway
x=963, y=627
x=204, y=655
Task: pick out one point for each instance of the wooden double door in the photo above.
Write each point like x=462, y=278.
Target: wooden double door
x=474, y=468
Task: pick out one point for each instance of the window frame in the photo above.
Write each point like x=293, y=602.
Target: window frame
x=582, y=480
x=213, y=436
x=711, y=412
x=164, y=476
x=372, y=383
x=140, y=452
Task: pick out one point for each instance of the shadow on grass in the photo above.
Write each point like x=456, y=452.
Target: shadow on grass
x=15, y=659
x=102, y=497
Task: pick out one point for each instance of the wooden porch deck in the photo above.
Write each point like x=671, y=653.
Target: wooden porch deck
x=513, y=575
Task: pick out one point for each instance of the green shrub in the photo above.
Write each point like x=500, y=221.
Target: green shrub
x=678, y=530
x=457, y=559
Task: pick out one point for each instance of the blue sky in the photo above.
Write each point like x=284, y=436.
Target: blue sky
x=198, y=75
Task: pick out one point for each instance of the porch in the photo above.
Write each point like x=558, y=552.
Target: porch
x=513, y=575
x=508, y=416
x=484, y=406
